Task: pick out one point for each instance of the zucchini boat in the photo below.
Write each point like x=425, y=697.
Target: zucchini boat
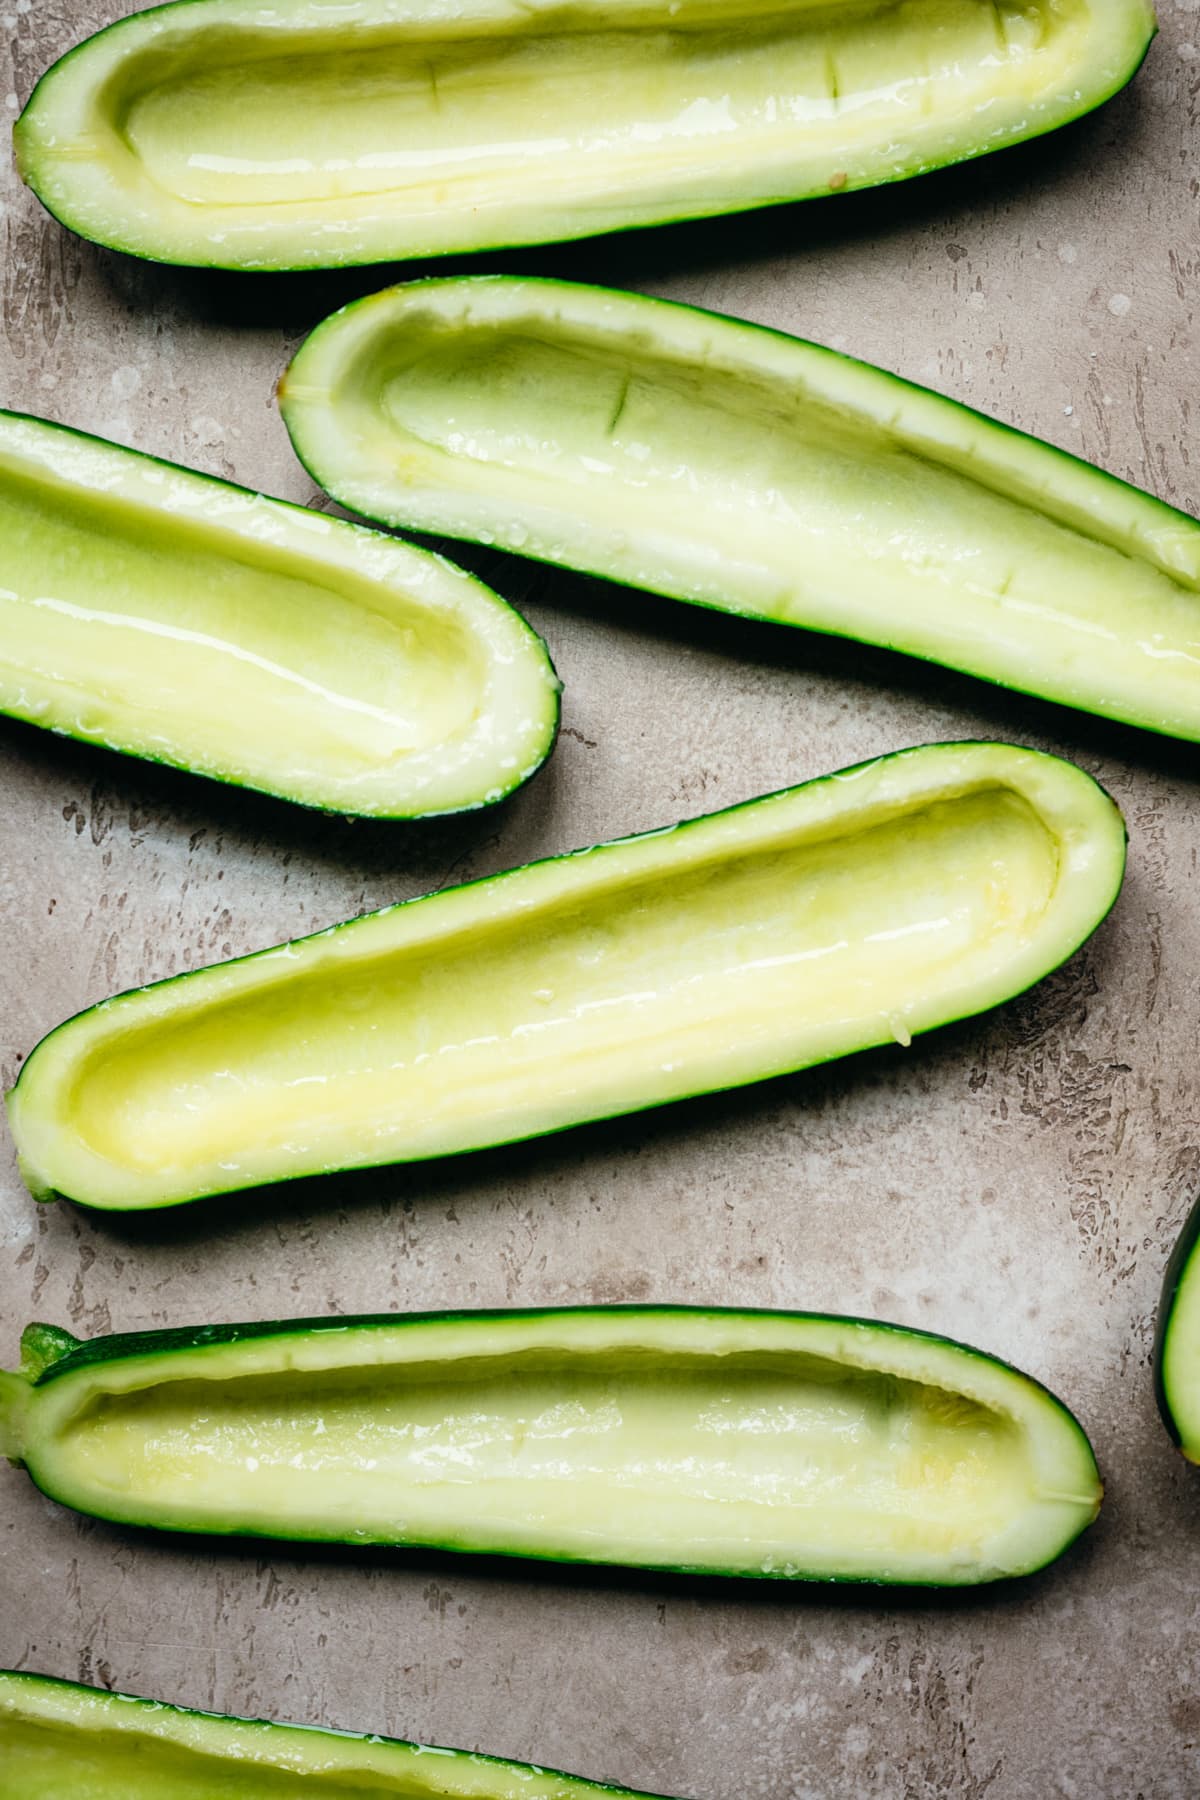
x=226, y=133
x=59, y=1739
x=1177, y=1341
x=856, y=910
x=711, y=1441
x=168, y=615
x=738, y=468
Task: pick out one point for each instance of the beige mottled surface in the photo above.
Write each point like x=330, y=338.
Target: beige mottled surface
x=1016, y=1181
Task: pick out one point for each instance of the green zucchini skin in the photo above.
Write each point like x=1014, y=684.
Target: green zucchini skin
x=674, y=963
x=1176, y=1367
x=182, y=134
x=60, y=1738
x=178, y=618
x=735, y=467
x=563, y=1377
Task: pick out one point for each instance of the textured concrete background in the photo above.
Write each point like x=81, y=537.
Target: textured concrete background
x=1016, y=1181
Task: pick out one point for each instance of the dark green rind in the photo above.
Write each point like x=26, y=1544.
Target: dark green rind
x=46, y=1194
x=78, y=1355
x=315, y=1733
x=1173, y=1276
x=691, y=215
x=233, y=781
x=401, y=521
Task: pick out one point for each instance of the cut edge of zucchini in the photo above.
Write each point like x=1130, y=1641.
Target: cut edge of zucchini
x=296, y=571
x=367, y=396
x=76, y=150
x=97, y=1722
x=940, y=1400
x=1058, y=819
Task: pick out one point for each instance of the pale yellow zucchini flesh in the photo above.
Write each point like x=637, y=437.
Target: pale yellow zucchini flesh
x=61, y=1741
x=745, y=1443
x=226, y=133
x=856, y=910
x=735, y=467
x=168, y=615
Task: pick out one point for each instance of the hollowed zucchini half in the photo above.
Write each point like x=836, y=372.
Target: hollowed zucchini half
x=171, y=616
x=860, y=909
x=304, y=135
x=792, y=1445
x=62, y=1741
x=1177, y=1341
x=735, y=467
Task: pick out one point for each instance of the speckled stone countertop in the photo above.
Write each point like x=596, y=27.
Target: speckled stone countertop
x=1016, y=1181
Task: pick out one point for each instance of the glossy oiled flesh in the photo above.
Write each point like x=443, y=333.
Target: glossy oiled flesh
x=586, y=97
x=609, y=995
x=149, y=629
x=684, y=1457
x=48, y=1762
x=813, y=514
